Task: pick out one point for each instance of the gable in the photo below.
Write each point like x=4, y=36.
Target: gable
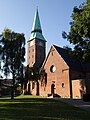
x=54, y=58
x=62, y=55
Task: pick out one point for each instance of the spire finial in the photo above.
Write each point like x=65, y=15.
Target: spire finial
x=37, y=8
x=36, y=22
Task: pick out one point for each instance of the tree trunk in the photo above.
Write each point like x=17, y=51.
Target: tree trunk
x=13, y=87
x=12, y=93
x=37, y=89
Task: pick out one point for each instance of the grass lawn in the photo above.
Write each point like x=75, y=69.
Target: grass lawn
x=36, y=108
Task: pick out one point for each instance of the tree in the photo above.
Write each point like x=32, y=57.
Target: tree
x=32, y=74
x=79, y=34
x=12, y=52
x=43, y=77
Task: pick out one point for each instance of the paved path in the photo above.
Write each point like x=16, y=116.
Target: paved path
x=76, y=102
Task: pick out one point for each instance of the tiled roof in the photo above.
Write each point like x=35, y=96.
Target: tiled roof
x=71, y=62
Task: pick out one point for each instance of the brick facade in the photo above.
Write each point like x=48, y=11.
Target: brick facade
x=61, y=79
x=36, y=52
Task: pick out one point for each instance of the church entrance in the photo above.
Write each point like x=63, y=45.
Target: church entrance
x=53, y=89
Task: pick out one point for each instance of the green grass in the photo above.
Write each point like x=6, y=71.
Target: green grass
x=36, y=108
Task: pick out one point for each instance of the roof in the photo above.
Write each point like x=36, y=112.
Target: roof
x=71, y=62
x=36, y=28
x=86, y=67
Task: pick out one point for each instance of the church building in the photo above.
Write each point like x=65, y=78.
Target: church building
x=64, y=76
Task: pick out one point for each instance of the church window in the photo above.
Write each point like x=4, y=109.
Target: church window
x=32, y=56
x=52, y=68
x=63, y=85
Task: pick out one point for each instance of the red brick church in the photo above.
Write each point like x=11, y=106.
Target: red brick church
x=65, y=76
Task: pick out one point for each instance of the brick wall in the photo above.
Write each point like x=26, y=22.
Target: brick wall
x=36, y=53
x=60, y=78
x=78, y=88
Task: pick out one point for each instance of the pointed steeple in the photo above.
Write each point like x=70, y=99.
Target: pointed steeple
x=36, y=22
x=36, y=28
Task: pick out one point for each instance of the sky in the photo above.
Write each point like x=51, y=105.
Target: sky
x=55, y=16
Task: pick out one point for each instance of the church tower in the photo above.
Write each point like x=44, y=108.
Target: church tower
x=36, y=44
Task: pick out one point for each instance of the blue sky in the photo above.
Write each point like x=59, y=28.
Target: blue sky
x=55, y=16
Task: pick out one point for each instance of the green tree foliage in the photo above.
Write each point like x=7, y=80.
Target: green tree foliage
x=79, y=34
x=32, y=73
x=12, y=52
x=43, y=77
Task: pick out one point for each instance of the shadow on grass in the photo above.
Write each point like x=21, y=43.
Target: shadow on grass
x=39, y=108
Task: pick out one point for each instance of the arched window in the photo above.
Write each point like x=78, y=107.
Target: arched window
x=63, y=85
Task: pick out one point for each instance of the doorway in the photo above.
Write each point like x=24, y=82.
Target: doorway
x=53, y=89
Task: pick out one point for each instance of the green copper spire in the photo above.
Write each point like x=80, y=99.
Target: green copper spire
x=36, y=28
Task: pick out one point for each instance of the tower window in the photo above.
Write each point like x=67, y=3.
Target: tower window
x=32, y=50
x=32, y=56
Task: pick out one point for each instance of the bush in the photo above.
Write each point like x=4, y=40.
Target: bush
x=86, y=97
